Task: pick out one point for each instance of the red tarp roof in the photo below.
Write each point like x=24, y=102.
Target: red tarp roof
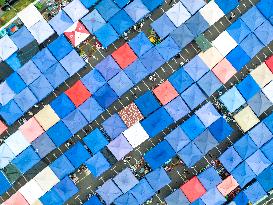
x=193, y=189
x=124, y=56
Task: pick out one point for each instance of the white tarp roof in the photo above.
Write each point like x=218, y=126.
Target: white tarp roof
x=6, y=94
x=30, y=15
x=17, y=142
x=135, y=135
x=211, y=12
x=224, y=43
x=178, y=14
x=75, y=10
x=268, y=91
x=262, y=75
x=211, y=57
x=46, y=179
x=7, y=47
x=41, y=31
x=31, y=191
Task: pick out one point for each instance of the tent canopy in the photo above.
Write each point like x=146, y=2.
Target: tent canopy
x=72, y=63
x=245, y=146
x=193, y=96
x=7, y=47
x=193, y=127
x=158, y=179
x=209, y=178
x=6, y=93
x=119, y=147
x=108, y=67
x=207, y=114
x=60, y=47
x=227, y=5
x=243, y=174
x=77, y=33
x=205, y=142
x=196, y=68
x=121, y=22
x=209, y=83
x=109, y=191
x=230, y=159
x=238, y=58
x=163, y=26
x=258, y=162
x=17, y=142
x=213, y=196
x=251, y=45
x=95, y=141
x=227, y=185
x=255, y=192
x=62, y=167
x=142, y=191
x=181, y=80
x=178, y=14
x=5, y=185
x=197, y=24
x=65, y=189
x=114, y=126
x=77, y=155
x=140, y=44
x=93, y=80
x=29, y=72
x=182, y=36
x=259, y=103
x=10, y=112
x=44, y=60
x=105, y=96
x=260, y=134
x=232, y=99
x=91, y=109
x=263, y=32
x=224, y=43
x=41, y=87
x=177, y=108
x=157, y=61
x=136, y=10
x=127, y=198
x=147, y=103
x=190, y=154
x=41, y=31
x=6, y=155
x=193, y=6
x=61, y=22
x=43, y=144
x=156, y=122
x=211, y=12
x=177, y=139
x=93, y=21
x=75, y=10
x=168, y=48
x=177, y=197
x=106, y=35
x=59, y=133
x=56, y=75
x=125, y=180
x=107, y=9
x=132, y=132
x=97, y=164
x=22, y=37
x=136, y=71
x=159, y=155
x=30, y=15
x=265, y=179
x=248, y=87
x=238, y=30
x=120, y=83
x=253, y=18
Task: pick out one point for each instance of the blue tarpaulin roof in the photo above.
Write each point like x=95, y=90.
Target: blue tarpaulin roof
x=168, y=48
x=180, y=80
x=109, y=191
x=93, y=21
x=60, y=47
x=267, y=149
x=121, y=22
x=22, y=37
x=29, y=72
x=159, y=155
x=41, y=87
x=5, y=185
x=241, y=198
x=213, y=196
x=136, y=71
x=177, y=108
x=156, y=122
x=258, y=162
x=108, y=67
x=114, y=126
x=147, y=103
x=253, y=18
x=10, y=112
x=152, y=4
x=93, y=80
x=227, y=5
x=62, y=105
x=62, y=167
x=106, y=35
x=260, y=134
x=77, y=154
x=72, y=62
x=95, y=141
x=97, y=164
x=209, y=83
x=142, y=191
x=193, y=96
x=264, y=32
x=121, y=3
x=230, y=159
x=6, y=155
x=193, y=6
x=105, y=96
x=59, y=133
x=232, y=99
x=269, y=122
x=125, y=180
x=56, y=75
x=107, y=9
x=205, y=142
x=120, y=147
x=190, y=154
x=266, y=178
x=193, y=127
x=177, y=139
x=220, y=129
x=136, y=10
x=61, y=22
x=75, y=10
x=177, y=198
x=43, y=145
x=182, y=36
x=163, y=26
x=266, y=8
x=65, y=188
x=238, y=58
x=140, y=44
x=25, y=99
x=15, y=82
x=14, y=62
x=88, y=3
x=196, y=68
x=197, y=24
x=251, y=45
x=255, y=192
x=245, y=146
x=51, y=198
x=155, y=63
x=243, y=174
x=259, y=103
x=26, y=160
x=208, y=114
x=94, y=200
x=120, y=83
x=209, y=178
x=238, y=30
x=44, y=60
x=127, y=198
x=75, y=121
x=91, y=109
x=248, y=87
x=158, y=179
